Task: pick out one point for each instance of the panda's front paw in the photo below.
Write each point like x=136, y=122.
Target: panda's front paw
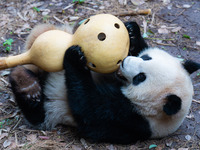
x=75, y=57
x=137, y=43
x=25, y=86
x=133, y=30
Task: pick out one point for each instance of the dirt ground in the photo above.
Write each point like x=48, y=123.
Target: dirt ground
x=173, y=26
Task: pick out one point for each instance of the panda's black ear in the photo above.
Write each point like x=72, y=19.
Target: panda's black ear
x=173, y=104
x=191, y=66
x=137, y=43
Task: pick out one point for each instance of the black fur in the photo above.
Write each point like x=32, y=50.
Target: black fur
x=102, y=113
x=191, y=66
x=139, y=78
x=33, y=110
x=173, y=105
x=137, y=43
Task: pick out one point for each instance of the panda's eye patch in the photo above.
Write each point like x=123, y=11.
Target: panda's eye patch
x=139, y=78
x=146, y=57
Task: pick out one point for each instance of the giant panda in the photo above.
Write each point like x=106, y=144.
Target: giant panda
x=148, y=97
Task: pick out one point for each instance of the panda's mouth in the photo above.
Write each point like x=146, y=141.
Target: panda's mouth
x=120, y=76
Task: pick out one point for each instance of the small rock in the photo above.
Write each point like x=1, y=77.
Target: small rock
x=73, y=18
x=188, y=137
x=186, y=6
x=176, y=29
x=198, y=43
x=101, y=7
x=169, y=143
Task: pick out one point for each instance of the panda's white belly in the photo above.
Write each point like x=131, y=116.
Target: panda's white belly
x=57, y=110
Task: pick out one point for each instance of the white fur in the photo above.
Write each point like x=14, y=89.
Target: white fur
x=57, y=111
x=164, y=75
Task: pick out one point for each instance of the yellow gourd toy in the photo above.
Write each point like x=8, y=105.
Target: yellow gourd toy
x=103, y=38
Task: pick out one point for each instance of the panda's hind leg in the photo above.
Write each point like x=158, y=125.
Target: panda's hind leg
x=27, y=91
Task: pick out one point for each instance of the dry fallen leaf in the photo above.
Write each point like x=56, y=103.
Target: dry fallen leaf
x=111, y=147
x=177, y=29
x=3, y=135
x=198, y=43
x=166, y=1
x=74, y=147
x=84, y=143
x=32, y=138
x=169, y=143
x=163, y=31
x=122, y=2
x=160, y=147
x=6, y=143
x=137, y=2
x=44, y=137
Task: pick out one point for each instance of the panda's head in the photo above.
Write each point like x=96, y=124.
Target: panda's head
x=160, y=87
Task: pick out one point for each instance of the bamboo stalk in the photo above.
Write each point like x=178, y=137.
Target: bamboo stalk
x=134, y=12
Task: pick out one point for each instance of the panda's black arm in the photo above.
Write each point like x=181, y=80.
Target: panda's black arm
x=102, y=113
x=76, y=74
x=137, y=42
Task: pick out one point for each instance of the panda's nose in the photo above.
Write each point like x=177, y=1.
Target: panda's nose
x=131, y=61
x=123, y=62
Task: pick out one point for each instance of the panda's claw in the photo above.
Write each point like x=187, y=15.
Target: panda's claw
x=75, y=57
x=25, y=84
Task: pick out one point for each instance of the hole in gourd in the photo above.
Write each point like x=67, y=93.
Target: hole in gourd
x=101, y=36
x=117, y=25
x=87, y=21
x=119, y=62
x=92, y=65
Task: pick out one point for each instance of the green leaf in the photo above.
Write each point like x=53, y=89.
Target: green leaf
x=8, y=48
x=78, y=1
x=8, y=42
x=36, y=9
x=184, y=48
x=186, y=36
x=152, y=146
x=150, y=32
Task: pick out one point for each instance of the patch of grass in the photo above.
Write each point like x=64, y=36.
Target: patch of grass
x=76, y=10
x=186, y=36
x=36, y=9
x=8, y=45
x=78, y=1
x=184, y=48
